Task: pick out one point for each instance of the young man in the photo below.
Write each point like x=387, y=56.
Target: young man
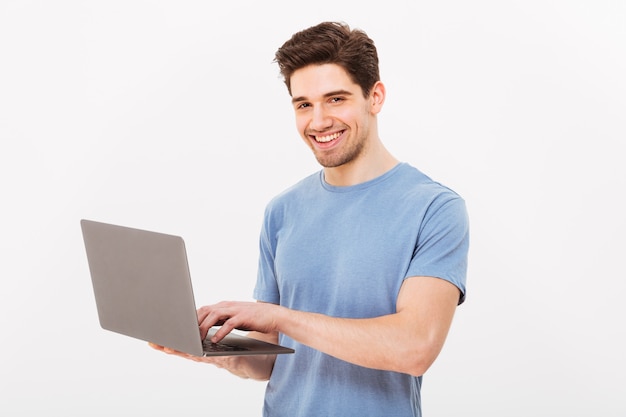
x=361, y=265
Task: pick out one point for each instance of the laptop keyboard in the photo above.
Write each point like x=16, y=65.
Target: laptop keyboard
x=220, y=347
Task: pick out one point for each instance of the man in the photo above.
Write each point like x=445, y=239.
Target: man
x=361, y=265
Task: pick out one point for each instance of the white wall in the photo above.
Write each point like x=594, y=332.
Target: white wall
x=170, y=116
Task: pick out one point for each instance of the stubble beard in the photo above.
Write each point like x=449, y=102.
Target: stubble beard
x=341, y=156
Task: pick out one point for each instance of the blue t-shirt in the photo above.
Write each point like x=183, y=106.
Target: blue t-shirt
x=345, y=252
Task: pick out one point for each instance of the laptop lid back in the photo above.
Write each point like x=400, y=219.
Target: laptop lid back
x=142, y=285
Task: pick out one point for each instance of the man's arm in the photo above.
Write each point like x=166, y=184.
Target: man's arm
x=407, y=341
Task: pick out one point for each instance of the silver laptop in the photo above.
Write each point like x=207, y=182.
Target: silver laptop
x=142, y=288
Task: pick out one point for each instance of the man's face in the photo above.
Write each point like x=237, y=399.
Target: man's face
x=332, y=116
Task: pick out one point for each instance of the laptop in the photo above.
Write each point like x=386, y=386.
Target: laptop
x=142, y=288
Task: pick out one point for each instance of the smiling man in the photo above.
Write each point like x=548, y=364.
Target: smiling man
x=362, y=264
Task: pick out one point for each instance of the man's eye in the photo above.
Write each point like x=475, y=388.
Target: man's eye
x=302, y=105
x=336, y=99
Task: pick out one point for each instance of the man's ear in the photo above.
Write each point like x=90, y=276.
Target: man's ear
x=377, y=97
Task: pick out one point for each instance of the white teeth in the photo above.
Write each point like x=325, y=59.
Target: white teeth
x=327, y=138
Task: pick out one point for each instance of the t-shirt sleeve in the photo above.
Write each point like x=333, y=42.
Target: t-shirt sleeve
x=443, y=243
x=266, y=288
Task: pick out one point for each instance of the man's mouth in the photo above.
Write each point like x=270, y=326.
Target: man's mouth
x=327, y=138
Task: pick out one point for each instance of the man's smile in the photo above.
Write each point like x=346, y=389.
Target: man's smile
x=327, y=138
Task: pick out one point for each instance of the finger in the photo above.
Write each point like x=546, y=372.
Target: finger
x=226, y=327
x=202, y=313
x=203, y=324
x=167, y=350
x=173, y=351
x=206, y=325
x=155, y=346
x=213, y=316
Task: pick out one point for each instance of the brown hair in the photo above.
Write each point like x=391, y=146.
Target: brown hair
x=331, y=43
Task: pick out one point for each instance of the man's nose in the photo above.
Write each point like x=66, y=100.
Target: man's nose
x=320, y=119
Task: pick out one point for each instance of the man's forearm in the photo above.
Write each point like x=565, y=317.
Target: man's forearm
x=406, y=341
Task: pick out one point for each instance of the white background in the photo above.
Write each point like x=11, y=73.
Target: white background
x=171, y=116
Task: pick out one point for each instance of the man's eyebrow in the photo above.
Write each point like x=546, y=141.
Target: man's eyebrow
x=329, y=94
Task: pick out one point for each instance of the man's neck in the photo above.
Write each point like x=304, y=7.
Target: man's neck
x=361, y=170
